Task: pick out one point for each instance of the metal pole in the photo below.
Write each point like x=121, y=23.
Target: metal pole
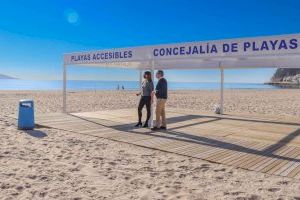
x=222, y=91
x=152, y=107
x=64, y=88
x=141, y=77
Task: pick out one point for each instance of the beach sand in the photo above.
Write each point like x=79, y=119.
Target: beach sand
x=53, y=164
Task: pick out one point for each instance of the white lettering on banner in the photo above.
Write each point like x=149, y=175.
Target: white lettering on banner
x=275, y=45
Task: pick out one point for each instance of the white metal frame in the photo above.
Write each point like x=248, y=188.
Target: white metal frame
x=140, y=82
x=143, y=58
x=65, y=69
x=64, y=88
x=222, y=90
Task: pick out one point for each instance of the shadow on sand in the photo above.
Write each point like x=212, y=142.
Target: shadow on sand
x=36, y=133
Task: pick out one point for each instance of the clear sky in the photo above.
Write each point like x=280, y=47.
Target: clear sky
x=35, y=33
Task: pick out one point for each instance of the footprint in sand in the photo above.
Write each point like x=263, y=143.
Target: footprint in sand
x=112, y=177
x=219, y=178
x=202, y=168
x=44, y=178
x=220, y=170
x=19, y=188
x=74, y=169
x=233, y=193
x=5, y=186
x=15, y=194
x=126, y=178
x=42, y=194
x=137, y=182
x=273, y=189
x=182, y=175
x=67, y=158
x=177, y=187
x=241, y=198
x=254, y=197
x=112, y=163
x=153, y=174
x=27, y=185
x=77, y=198
x=32, y=177
x=146, y=169
x=283, y=183
x=183, y=167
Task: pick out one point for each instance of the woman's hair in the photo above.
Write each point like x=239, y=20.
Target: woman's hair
x=148, y=74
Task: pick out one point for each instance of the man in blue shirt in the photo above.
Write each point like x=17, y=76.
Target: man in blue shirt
x=161, y=93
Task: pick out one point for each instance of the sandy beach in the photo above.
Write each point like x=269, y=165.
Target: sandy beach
x=53, y=164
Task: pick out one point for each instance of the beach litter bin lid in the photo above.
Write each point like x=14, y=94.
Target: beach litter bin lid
x=26, y=114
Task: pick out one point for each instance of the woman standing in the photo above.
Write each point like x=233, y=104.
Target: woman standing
x=146, y=91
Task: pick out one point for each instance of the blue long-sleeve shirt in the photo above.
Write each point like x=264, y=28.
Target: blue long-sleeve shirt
x=161, y=89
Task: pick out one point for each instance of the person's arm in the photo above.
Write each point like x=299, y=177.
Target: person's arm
x=140, y=92
x=152, y=92
x=158, y=87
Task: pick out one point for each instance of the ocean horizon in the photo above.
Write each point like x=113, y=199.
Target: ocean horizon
x=19, y=84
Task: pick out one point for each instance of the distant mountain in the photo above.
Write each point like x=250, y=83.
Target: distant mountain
x=286, y=77
x=2, y=76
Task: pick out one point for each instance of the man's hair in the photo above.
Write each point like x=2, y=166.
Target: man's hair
x=161, y=72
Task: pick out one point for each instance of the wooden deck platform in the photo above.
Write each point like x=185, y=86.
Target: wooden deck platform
x=255, y=143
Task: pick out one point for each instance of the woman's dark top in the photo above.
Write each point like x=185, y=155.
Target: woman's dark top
x=147, y=88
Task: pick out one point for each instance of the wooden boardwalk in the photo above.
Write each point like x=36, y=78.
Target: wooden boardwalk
x=255, y=143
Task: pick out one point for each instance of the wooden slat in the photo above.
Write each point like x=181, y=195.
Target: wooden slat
x=288, y=164
x=237, y=154
x=267, y=159
x=278, y=163
x=249, y=157
x=240, y=141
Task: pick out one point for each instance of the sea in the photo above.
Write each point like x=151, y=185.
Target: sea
x=18, y=84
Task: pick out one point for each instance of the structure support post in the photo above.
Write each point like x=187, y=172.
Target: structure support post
x=222, y=91
x=152, y=106
x=141, y=77
x=64, y=88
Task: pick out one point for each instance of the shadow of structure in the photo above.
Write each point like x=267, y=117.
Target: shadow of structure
x=196, y=139
x=36, y=133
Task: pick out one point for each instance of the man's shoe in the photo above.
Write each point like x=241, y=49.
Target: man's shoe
x=138, y=124
x=163, y=128
x=154, y=129
x=145, y=125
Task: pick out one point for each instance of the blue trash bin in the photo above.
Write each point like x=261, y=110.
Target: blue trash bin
x=26, y=115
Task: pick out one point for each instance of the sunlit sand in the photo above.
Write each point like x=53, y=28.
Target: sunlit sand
x=56, y=163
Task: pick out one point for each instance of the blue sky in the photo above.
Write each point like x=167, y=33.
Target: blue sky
x=34, y=34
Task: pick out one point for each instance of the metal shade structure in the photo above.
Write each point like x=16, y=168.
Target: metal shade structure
x=281, y=51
